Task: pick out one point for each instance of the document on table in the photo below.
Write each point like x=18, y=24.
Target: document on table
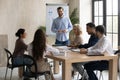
x=62, y=47
x=75, y=50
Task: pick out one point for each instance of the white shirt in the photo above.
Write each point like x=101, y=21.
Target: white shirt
x=102, y=46
x=53, y=50
x=49, y=48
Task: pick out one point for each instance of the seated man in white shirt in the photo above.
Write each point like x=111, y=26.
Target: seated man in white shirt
x=101, y=47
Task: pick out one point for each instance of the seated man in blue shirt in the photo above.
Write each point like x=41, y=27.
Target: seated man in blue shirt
x=61, y=26
x=90, y=27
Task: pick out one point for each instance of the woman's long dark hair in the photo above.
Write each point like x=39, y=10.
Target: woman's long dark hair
x=39, y=44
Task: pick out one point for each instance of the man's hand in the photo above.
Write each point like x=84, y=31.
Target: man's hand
x=62, y=31
x=59, y=31
x=83, y=50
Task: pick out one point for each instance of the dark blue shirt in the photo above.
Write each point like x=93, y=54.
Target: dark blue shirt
x=92, y=41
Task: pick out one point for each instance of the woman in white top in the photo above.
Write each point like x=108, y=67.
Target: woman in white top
x=100, y=48
x=38, y=49
x=77, y=39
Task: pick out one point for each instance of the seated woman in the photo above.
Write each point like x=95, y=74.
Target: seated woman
x=77, y=36
x=77, y=31
x=19, y=50
x=38, y=49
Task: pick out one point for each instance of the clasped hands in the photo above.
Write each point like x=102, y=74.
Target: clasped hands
x=62, y=31
x=83, y=51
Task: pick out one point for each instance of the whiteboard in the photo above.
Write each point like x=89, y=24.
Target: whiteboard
x=51, y=14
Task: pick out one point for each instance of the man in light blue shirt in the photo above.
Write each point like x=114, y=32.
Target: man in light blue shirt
x=61, y=26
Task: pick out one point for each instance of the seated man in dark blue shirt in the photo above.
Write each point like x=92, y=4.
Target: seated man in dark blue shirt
x=90, y=27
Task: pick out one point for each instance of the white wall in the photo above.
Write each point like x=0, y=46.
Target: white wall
x=28, y=14
x=74, y=4
x=85, y=16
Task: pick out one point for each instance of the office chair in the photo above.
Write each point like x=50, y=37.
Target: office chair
x=78, y=74
x=10, y=64
x=28, y=73
x=101, y=75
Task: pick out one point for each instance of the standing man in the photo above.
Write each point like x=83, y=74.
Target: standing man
x=61, y=26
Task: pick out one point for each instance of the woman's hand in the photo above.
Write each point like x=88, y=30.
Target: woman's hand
x=49, y=53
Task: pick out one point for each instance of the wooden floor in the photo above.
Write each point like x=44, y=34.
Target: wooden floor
x=57, y=76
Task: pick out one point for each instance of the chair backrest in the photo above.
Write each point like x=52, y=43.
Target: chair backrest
x=9, y=56
x=27, y=67
x=116, y=52
x=31, y=61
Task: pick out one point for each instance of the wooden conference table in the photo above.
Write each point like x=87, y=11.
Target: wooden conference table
x=73, y=57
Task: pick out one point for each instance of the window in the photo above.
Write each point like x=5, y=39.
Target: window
x=99, y=12
x=105, y=12
x=112, y=21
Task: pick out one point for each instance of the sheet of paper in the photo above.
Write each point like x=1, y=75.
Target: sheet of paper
x=75, y=50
